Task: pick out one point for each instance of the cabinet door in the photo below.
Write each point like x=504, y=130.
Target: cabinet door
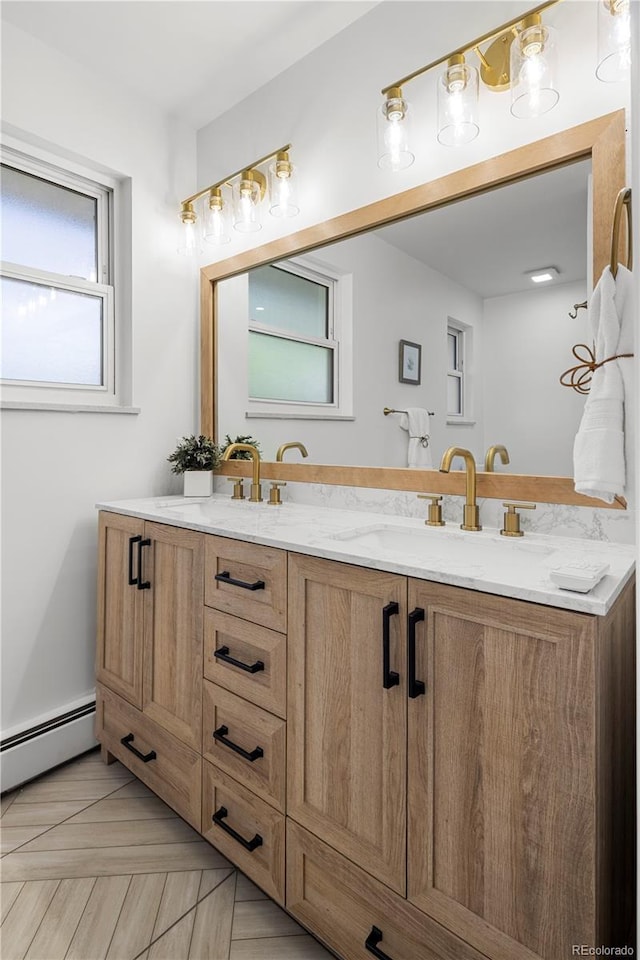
x=120, y=606
x=501, y=773
x=173, y=566
x=346, y=731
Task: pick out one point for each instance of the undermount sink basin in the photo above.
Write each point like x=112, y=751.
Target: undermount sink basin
x=439, y=544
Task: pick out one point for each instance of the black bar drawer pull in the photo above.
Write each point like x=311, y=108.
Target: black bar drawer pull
x=142, y=585
x=389, y=677
x=220, y=735
x=250, y=845
x=128, y=743
x=416, y=687
x=371, y=944
x=222, y=653
x=132, y=541
x=225, y=577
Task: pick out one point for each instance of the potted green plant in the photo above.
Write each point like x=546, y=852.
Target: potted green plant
x=196, y=457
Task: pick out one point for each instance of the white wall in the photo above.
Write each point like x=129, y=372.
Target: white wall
x=527, y=345
x=55, y=466
x=394, y=297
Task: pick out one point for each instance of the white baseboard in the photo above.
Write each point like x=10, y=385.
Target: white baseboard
x=38, y=751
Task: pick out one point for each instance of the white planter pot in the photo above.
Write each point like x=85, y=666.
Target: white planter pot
x=198, y=483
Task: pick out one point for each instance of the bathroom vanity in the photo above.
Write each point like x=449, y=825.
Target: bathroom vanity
x=408, y=737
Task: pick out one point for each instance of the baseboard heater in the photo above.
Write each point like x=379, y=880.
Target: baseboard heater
x=27, y=752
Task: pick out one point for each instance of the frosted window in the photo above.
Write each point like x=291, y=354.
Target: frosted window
x=48, y=227
x=454, y=395
x=288, y=302
x=51, y=335
x=281, y=369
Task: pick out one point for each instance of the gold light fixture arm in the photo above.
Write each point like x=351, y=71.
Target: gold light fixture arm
x=471, y=45
x=225, y=180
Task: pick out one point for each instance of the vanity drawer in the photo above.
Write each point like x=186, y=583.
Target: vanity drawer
x=247, y=830
x=174, y=773
x=346, y=908
x=253, y=584
x=251, y=660
x=250, y=744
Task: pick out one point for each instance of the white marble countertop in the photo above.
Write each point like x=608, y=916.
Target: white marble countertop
x=510, y=567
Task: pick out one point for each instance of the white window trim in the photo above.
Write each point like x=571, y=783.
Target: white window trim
x=113, y=252
x=340, y=340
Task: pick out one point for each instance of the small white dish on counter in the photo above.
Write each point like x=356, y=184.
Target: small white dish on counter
x=580, y=575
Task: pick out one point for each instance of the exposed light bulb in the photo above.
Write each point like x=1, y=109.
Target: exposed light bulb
x=189, y=243
x=458, y=103
x=282, y=187
x=215, y=220
x=248, y=192
x=394, y=132
x=532, y=69
x=614, y=40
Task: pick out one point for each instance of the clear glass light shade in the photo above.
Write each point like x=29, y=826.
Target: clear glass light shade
x=614, y=40
x=282, y=190
x=394, y=134
x=533, y=71
x=246, y=206
x=188, y=245
x=458, y=105
x=216, y=226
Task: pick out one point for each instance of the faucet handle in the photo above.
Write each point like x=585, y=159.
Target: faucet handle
x=511, y=523
x=434, y=518
x=238, y=489
x=274, y=494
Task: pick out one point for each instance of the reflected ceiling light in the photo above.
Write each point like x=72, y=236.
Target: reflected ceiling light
x=520, y=56
x=543, y=274
x=248, y=188
x=614, y=40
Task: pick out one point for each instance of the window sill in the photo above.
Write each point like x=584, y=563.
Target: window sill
x=67, y=407
x=249, y=415
x=460, y=421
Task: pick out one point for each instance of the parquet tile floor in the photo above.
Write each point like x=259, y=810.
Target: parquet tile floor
x=95, y=867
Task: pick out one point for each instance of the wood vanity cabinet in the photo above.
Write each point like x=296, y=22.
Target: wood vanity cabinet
x=508, y=720
x=149, y=653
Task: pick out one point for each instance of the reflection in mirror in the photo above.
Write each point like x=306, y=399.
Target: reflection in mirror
x=320, y=359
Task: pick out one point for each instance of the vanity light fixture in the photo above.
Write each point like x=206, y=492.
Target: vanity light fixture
x=520, y=57
x=248, y=188
x=614, y=40
x=543, y=275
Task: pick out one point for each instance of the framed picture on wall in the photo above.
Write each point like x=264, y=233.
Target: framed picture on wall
x=410, y=361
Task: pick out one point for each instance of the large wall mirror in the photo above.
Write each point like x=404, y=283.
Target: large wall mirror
x=450, y=259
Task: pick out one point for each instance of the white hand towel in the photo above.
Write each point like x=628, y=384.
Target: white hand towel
x=598, y=452
x=416, y=422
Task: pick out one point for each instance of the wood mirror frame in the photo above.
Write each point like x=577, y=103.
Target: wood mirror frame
x=602, y=140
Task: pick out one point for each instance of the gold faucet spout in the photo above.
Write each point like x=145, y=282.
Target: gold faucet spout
x=256, y=491
x=499, y=450
x=293, y=445
x=471, y=513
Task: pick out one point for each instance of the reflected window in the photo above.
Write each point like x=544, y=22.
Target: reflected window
x=292, y=342
x=455, y=370
x=57, y=292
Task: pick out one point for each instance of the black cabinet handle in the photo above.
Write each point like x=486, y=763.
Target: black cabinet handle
x=225, y=577
x=389, y=677
x=145, y=757
x=371, y=944
x=142, y=585
x=222, y=653
x=220, y=736
x=416, y=687
x=250, y=845
x=132, y=541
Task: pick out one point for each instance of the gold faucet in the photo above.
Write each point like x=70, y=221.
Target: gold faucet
x=256, y=489
x=471, y=512
x=295, y=444
x=497, y=449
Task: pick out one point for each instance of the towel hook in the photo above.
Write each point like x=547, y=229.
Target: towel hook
x=578, y=306
x=623, y=201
